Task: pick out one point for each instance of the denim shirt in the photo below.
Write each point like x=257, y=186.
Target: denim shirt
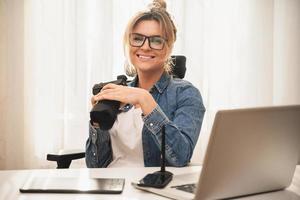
x=180, y=109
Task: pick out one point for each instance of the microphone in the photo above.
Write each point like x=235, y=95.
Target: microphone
x=160, y=178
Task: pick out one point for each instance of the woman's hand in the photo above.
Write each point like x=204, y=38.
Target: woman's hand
x=135, y=96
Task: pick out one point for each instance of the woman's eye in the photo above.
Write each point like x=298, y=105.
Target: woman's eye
x=157, y=40
x=138, y=39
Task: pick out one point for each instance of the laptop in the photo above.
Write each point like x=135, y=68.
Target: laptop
x=250, y=151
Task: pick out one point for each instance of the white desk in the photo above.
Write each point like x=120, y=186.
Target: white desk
x=12, y=180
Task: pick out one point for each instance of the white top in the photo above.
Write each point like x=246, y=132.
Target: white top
x=126, y=139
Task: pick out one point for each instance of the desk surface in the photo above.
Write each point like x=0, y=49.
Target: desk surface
x=12, y=180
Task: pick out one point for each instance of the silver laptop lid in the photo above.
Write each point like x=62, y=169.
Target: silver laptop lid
x=250, y=151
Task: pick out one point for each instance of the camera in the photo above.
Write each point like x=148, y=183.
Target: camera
x=105, y=111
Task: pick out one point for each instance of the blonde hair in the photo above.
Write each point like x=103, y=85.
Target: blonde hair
x=156, y=11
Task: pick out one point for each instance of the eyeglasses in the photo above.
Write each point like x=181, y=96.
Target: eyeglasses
x=138, y=40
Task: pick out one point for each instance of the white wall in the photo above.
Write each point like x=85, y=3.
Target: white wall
x=286, y=56
x=11, y=83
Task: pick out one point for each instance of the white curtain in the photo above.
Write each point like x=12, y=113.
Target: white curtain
x=239, y=54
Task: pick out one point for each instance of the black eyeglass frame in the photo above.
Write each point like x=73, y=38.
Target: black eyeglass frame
x=147, y=38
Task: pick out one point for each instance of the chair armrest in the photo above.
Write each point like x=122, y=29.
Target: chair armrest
x=65, y=157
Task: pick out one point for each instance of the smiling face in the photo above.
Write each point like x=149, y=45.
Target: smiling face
x=144, y=58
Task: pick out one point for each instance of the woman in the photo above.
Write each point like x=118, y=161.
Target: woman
x=153, y=99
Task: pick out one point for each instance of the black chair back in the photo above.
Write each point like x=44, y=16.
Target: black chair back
x=179, y=67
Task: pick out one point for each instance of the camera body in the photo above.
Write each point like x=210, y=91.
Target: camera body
x=105, y=111
x=121, y=80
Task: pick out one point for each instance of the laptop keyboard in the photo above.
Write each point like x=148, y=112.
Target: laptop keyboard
x=191, y=188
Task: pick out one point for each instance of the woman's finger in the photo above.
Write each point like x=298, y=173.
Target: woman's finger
x=93, y=100
x=109, y=86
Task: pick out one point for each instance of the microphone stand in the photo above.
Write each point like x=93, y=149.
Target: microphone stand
x=164, y=174
x=160, y=178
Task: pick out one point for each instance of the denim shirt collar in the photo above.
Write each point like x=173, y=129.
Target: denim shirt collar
x=160, y=85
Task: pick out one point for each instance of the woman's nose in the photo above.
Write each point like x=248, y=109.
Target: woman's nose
x=146, y=44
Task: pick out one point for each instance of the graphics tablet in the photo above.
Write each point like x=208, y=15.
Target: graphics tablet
x=73, y=185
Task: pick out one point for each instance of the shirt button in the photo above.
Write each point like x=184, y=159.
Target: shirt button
x=94, y=154
x=151, y=124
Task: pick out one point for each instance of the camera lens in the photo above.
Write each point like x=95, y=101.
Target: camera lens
x=105, y=113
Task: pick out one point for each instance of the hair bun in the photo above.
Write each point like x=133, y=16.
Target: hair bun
x=158, y=4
